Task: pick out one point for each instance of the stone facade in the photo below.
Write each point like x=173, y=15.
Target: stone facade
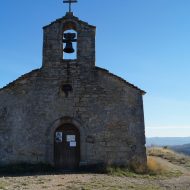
x=107, y=110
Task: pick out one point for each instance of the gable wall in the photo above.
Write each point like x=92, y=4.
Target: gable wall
x=110, y=114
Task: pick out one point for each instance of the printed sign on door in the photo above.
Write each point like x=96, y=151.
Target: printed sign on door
x=58, y=137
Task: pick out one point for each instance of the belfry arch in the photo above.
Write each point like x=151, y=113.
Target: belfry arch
x=70, y=44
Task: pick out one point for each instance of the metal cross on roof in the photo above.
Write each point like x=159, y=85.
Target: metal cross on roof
x=70, y=2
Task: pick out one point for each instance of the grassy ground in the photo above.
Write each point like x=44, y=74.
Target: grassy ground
x=165, y=171
x=171, y=156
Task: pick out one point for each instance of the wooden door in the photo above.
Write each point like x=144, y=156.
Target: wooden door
x=67, y=147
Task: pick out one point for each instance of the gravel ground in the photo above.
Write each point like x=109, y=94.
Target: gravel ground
x=90, y=181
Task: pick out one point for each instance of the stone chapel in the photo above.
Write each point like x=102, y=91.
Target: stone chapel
x=70, y=113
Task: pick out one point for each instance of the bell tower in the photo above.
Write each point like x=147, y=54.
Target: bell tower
x=59, y=41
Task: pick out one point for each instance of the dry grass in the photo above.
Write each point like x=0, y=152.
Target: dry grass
x=171, y=156
x=120, y=172
x=3, y=185
x=154, y=167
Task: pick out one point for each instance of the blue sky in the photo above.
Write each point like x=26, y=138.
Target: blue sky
x=147, y=42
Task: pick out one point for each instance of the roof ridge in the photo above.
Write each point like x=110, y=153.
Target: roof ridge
x=24, y=76
x=121, y=79
x=67, y=16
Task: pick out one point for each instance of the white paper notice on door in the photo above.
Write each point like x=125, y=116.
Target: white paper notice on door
x=70, y=138
x=58, y=137
x=73, y=144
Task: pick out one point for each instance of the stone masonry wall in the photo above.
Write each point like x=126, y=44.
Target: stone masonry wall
x=108, y=110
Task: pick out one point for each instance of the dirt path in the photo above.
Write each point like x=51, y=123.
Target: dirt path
x=172, y=167
x=99, y=181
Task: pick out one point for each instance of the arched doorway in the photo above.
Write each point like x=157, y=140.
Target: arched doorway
x=67, y=147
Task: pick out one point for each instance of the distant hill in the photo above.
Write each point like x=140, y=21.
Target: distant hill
x=167, y=141
x=185, y=149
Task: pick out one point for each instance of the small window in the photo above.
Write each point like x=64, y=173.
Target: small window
x=67, y=88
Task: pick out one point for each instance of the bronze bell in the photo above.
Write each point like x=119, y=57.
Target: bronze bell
x=68, y=48
x=68, y=39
